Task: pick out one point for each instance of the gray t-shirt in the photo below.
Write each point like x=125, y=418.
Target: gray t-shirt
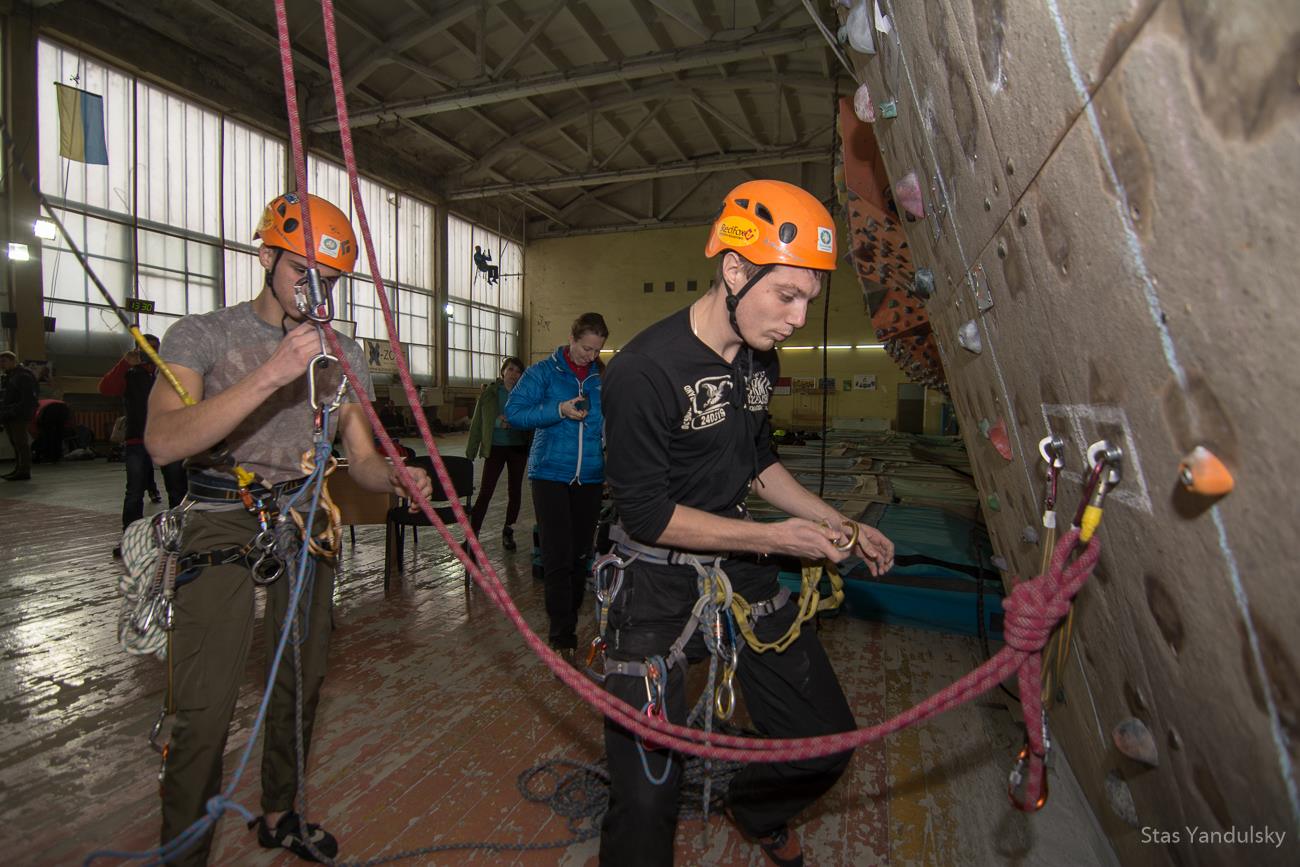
x=225, y=346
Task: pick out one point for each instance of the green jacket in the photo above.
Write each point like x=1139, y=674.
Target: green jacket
x=486, y=411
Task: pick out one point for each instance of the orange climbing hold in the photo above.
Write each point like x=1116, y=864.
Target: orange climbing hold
x=1201, y=472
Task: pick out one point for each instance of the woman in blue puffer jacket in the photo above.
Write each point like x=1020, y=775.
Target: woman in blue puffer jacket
x=559, y=399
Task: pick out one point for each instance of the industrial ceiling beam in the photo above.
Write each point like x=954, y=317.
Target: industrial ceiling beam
x=669, y=90
x=643, y=66
x=663, y=170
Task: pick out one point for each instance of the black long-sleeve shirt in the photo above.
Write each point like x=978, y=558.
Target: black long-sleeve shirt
x=683, y=426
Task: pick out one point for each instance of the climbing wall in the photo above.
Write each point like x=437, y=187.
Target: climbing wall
x=1107, y=205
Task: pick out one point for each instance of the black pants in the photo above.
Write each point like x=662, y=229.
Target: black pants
x=789, y=694
x=567, y=515
x=18, y=438
x=515, y=460
x=47, y=448
x=139, y=478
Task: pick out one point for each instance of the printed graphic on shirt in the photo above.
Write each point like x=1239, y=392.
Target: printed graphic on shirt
x=758, y=391
x=709, y=401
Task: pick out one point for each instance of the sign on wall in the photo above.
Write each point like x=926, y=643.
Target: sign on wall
x=864, y=382
x=380, y=356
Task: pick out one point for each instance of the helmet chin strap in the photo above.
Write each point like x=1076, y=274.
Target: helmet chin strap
x=733, y=301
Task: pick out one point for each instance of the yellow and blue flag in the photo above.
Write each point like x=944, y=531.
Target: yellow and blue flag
x=81, y=125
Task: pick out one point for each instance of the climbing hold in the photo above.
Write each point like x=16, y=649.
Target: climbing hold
x=1001, y=442
x=1201, y=472
x=1134, y=739
x=923, y=283
x=862, y=105
x=1000, y=563
x=857, y=29
x=882, y=20
x=969, y=337
x=985, y=427
x=1120, y=799
x=907, y=192
x=1029, y=535
x=889, y=108
x=994, y=503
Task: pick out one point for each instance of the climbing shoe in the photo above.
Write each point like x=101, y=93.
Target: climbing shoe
x=288, y=835
x=782, y=848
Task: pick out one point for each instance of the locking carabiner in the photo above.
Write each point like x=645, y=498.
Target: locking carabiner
x=315, y=297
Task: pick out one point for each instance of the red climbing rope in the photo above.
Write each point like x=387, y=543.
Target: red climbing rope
x=1032, y=610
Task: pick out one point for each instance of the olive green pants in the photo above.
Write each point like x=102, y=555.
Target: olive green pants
x=210, y=642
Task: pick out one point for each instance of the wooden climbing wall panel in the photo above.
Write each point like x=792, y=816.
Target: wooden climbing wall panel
x=1109, y=212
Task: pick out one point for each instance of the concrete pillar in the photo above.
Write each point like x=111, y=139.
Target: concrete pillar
x=21, y=209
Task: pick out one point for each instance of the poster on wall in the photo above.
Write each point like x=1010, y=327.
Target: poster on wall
x=379, y=356
x=782, y=385
x=803, y=384
x=864, y=382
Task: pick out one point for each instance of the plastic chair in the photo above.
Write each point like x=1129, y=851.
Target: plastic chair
x=461, y=470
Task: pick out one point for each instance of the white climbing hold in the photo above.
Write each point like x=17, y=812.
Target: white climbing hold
x=969, y=337
x=862, y=105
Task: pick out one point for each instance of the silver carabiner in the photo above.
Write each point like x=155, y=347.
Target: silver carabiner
x=311, y=301
x=312, y=393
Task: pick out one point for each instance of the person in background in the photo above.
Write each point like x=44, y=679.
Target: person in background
x=502, y=446
x=483, y=262
x=132, y=379
x=52, y=417
x=558, y=398
x=18, y=400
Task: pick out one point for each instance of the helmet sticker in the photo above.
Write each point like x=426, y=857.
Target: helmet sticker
x=737, y=232
x=328, y=246
x=825, y=240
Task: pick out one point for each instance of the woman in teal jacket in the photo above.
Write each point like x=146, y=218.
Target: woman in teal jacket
x=503, y=446
x=558, y=398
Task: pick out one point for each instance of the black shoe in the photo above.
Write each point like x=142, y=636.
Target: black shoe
x=117, y=553
x=155, y=497
x=508, y=539
x=288, y=835
x=13, y=477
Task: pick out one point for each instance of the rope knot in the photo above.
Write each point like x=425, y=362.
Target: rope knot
x=1032, y=611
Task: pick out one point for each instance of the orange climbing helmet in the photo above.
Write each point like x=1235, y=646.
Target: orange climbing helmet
x=774, y=223
x=281, y=226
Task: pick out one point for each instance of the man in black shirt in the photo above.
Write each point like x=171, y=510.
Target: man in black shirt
x=688, y=434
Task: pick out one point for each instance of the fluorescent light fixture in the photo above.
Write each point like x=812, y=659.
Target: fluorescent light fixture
x=871, y=346
x=18, y=252
x=45, y=230
x=832, y=346
x=840, y=346
x=798, y=347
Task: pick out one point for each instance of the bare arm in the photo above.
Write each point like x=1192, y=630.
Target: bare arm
x=366, y=464
x=175, y=431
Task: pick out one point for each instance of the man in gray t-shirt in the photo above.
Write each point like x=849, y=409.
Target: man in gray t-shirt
x=247, y=367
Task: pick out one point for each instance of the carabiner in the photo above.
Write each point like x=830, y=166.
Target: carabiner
x=724, y=697
x=1018, y=776
x=597, y=647
x=312, y=394
x=157, y=730
x=310, y=302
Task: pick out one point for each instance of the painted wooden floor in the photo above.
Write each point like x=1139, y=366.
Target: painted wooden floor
x=433, y=706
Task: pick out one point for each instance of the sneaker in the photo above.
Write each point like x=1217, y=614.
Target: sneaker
x=14, y=477
x=287, y=835
x=508, y=539
x=155, y=497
